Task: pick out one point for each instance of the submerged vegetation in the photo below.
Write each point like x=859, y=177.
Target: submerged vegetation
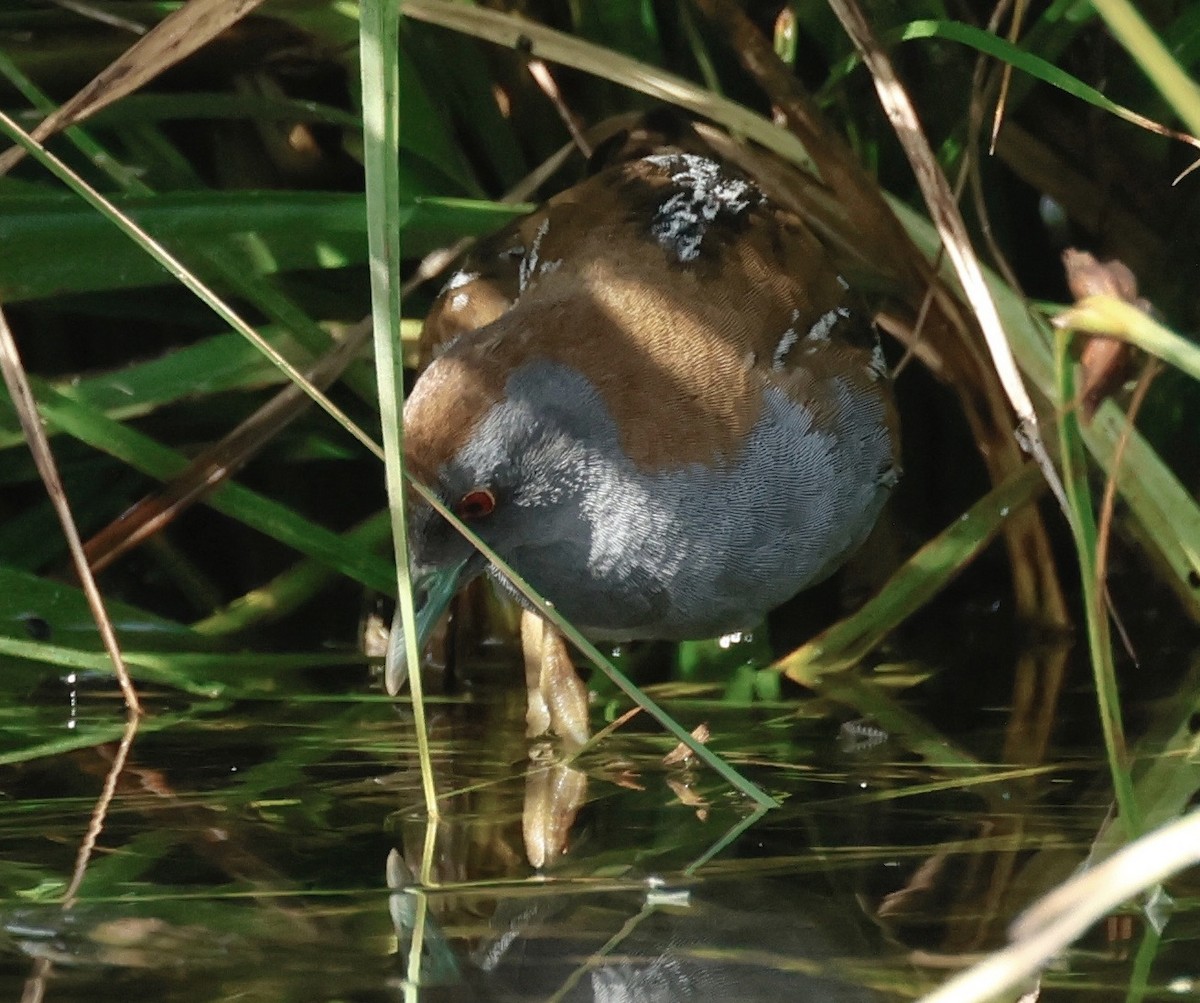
x=208, y=215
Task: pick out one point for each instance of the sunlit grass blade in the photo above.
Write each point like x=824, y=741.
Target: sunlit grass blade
x=379, y=52
x=175, y=267
x=225, y=262
x=1062, y=916
x=215, y=365
x=199, y=673
x=1115, y=318
x=1169, y=78
x=59, y=246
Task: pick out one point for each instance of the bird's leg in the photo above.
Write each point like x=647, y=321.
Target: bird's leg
x=537, y=716
x=558, y=699
x=562, y=689
x=554, y=793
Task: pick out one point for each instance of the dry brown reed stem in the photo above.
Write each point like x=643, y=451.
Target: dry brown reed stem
x=1020, y=9
x=177, y=36
x=34, y=990
x=988, y=88
x=216, y=464
x=100, y=812
x=30, y=420
x=943, y=209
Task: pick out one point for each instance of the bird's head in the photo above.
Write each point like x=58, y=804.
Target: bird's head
x=490, y=443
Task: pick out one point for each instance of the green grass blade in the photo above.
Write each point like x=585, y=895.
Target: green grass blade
x=379, y=51
x=1115, y=318
x=215, y=365
x=1018, y=58
x=54, y=245
x=64, y=616
x=1083, y=528
x=913, y=585
x=269, y=517
x=159, y=253
x=1169, y=79
x=201, y=674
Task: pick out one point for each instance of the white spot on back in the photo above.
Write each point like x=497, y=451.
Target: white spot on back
x=877, y=367
x=459, y=279
x=458, y=301
x=786, y=344
x=825, y=324
x=704, y=193
x=529, y=263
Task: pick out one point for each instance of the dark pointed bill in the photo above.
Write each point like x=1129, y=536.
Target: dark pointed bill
x=432, y=592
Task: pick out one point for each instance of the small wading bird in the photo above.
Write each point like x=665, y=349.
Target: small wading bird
x=657, y=400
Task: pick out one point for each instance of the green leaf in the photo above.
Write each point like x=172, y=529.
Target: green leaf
x=264, y=514
x=33, y=608
x=54, y=244
x=1003, y=50
x=216, y=365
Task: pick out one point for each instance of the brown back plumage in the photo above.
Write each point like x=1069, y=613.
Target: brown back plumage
x=679, y=331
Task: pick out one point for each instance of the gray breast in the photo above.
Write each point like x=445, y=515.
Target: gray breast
x=693, y=551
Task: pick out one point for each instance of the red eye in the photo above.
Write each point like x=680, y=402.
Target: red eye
x=475, y=504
